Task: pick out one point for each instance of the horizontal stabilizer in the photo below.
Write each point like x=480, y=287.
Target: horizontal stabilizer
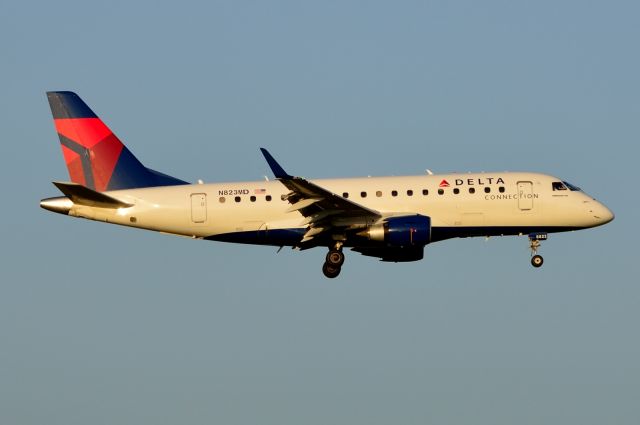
x=82, y=195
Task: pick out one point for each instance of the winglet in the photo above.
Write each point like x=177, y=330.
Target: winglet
x=277, y=170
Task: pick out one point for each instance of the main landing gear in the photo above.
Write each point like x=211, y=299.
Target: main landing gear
x=333, y=261
x=534, y=244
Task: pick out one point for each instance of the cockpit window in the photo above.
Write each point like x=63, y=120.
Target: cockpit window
x=572, y=187
x=558, y=186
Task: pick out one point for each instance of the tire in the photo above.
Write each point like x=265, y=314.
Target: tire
x=330, y=270
x=537, y=261
x=335, y=258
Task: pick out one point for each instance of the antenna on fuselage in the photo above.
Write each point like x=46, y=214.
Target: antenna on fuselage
x=429, y=172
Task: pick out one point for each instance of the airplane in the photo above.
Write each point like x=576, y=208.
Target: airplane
x=390, y=218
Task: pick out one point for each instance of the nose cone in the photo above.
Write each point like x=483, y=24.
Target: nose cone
x=602, y=214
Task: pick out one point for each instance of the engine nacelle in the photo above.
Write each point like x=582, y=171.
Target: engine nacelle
x=404, y=231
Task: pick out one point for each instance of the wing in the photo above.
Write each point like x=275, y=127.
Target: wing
x=324, y=211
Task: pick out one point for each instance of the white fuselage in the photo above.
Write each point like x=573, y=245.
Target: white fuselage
x=390, y=218
x=459, y=205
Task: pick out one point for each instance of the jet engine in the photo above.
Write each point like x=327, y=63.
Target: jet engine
x=401, y=232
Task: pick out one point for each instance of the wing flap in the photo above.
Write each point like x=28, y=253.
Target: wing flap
x=303, y=203
x=316, y=218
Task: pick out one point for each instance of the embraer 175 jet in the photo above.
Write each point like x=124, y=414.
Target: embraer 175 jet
x=391, y=218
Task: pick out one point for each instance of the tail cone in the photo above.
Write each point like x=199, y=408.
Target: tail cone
x=60, y=205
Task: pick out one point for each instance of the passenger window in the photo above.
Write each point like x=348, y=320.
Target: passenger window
x=345, y=194
x=363, y=194
x=501, y=189
x=440, y=191
x=425, y=192
x=394, y=193
x=237, y=199
x=472, y=190
x=268, y=198
x=487, y=190
x=221, y=199
x=253, y=199
x=379, y=193
x=456, y=190
x=409, y=192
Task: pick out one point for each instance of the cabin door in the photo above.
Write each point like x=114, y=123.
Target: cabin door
x=198, y=207
x=525, y=196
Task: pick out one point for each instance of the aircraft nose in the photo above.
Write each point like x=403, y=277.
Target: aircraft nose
x=602, y=213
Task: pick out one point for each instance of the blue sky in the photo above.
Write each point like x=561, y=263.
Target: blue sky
x=101, y=324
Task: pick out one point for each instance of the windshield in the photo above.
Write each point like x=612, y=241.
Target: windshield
x=572, y=187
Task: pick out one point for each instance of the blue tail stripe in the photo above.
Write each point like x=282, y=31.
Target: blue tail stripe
x=66, y=104
x=130, y=173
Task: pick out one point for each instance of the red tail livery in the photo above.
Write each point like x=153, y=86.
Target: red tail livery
x=95, y=157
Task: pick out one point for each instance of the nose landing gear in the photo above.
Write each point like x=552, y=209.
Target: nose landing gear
x=534, y=244
x=333, y=261
x=537, y=261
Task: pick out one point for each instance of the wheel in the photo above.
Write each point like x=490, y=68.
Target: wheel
x=335, y=258
x=330, y=270
x=537, y=260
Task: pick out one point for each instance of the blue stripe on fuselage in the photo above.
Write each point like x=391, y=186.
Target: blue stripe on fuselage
x=276, y=237
x=293, y=236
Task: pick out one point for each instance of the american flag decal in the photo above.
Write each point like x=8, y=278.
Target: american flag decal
x=260, y=191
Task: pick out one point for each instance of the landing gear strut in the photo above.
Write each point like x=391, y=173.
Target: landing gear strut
x=534, y=244
x=333, y=261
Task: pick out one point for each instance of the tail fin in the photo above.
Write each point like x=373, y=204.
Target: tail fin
x=95, y=157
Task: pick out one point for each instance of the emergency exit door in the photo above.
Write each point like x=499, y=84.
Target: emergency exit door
x=525, y=195
x=198, y=207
